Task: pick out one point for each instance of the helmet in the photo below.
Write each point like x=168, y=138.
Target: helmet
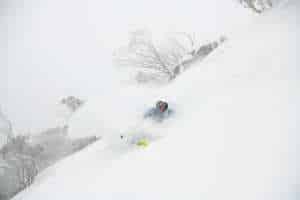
x=162, y=106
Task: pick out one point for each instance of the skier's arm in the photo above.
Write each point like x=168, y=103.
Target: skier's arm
x=149, y=113
x=170, y=112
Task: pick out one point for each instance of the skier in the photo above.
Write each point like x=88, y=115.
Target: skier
x=159, y=112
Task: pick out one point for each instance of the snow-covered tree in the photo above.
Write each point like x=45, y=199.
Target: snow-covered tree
x=164, y=61
x=257, y=6
x=72, y=104
x=6, y=128
x=160, y=60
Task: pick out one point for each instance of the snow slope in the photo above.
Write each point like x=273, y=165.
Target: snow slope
x=234, y=136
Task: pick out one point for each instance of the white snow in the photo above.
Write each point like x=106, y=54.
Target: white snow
x=234, y=134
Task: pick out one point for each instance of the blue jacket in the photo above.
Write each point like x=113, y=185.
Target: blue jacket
x=156, y=115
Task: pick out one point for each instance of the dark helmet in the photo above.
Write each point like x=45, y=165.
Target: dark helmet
x=162, y=106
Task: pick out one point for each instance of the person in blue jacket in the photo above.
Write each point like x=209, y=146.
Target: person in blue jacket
x=160, y=112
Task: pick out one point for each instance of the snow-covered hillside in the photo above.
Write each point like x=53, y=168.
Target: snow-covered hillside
x=234, y=134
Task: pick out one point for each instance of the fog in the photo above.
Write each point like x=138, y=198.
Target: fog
x=49, y=51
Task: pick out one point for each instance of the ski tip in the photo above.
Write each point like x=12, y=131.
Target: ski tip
x=143, y=143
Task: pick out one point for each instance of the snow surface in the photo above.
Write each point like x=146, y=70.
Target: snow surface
x=234, y=135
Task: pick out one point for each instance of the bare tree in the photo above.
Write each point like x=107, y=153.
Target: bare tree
x=143, y=53
x=165, y=61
